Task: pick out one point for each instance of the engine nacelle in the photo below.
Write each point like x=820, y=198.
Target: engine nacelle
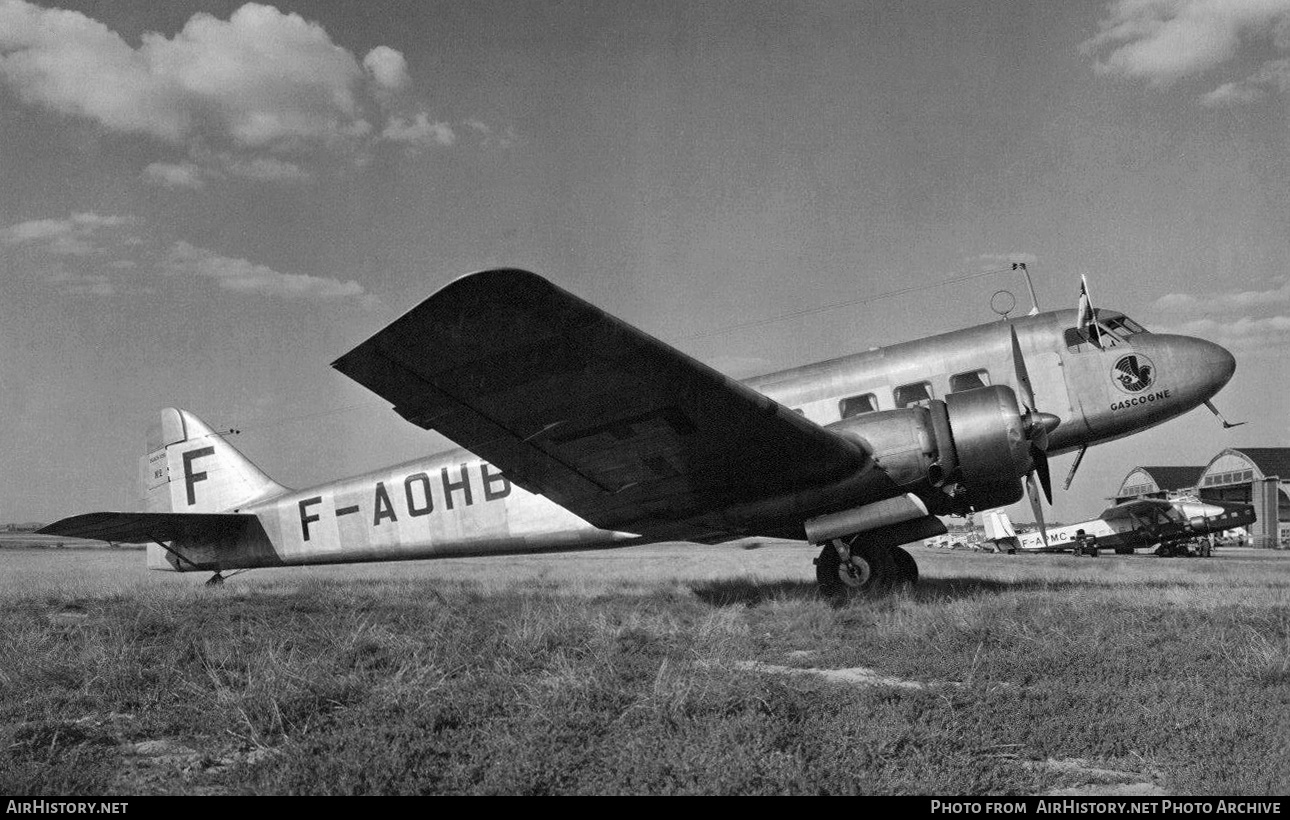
x=968, y=452
x=990, y=444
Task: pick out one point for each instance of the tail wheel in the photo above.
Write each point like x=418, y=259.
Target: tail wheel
x=870, y=569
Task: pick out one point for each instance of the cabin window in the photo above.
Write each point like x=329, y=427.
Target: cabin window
x=908, y=395
x=969, y=381
x=855, y=405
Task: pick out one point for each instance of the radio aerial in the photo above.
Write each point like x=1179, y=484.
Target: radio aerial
x=1003, y=303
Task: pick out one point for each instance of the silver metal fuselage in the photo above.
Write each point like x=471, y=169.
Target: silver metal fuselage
x=452, y=503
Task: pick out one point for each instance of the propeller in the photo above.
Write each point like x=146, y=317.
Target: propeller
x=1037, y=426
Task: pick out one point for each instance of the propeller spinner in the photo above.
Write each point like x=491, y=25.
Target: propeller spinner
x=1038, y=426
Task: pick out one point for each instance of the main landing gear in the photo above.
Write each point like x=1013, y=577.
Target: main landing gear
x=847, y=566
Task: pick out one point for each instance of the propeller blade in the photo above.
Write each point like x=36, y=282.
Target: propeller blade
x=1033, y=494
x=1019, y=365
x=1041, y=468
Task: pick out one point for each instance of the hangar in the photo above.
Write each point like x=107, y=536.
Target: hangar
x=1253, y=475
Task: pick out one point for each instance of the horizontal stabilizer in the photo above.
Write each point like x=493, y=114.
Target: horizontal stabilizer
x=147, y=527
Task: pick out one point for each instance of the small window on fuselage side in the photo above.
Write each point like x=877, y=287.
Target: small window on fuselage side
x=969, y=381
x=855, y=405
x=908, y=395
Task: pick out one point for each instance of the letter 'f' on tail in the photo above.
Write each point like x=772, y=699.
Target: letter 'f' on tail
x=191, y=468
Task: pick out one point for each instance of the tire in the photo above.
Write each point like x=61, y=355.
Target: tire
x=875, y=571
x=826, y=573
x=906, y=568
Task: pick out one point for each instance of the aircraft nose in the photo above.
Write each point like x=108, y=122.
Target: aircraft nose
x=1216, y=362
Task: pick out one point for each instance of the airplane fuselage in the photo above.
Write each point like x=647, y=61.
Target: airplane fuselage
x=454, y=503
x=1079, y=383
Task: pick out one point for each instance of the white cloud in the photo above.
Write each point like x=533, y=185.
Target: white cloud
x=169, y=175
x=1163, y=40
x=78, y=235
x=263, y=169
x=248, y=90
x=419, y=131
x=243, y=276
x=1231, y=319
x=1271, y=76
x=205, y=165
x=83, y=284
x=388, y=69
x=258, y=78
x=1241, y=334
x=1183, y=304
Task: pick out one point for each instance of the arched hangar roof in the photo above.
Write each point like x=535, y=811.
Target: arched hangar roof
x=1241, y=464
x=1147, y=480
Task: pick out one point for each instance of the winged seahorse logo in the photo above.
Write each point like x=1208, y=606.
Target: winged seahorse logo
x=1134, y=373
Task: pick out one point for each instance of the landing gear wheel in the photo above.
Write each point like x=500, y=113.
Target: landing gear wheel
x=215, y=580
x=906, y=568
x=870, y=569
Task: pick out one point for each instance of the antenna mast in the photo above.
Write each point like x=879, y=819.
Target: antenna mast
x=1029, y=286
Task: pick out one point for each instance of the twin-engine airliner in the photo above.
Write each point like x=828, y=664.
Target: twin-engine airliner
x=579, y=431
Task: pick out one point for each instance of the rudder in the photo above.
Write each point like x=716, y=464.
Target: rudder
x=191, y=468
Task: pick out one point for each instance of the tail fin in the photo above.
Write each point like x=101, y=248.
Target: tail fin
x=191, y=468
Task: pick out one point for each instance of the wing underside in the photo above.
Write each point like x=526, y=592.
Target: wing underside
x=576, y=404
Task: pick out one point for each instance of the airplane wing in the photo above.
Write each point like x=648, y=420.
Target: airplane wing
x=573, y=403
x=1139, y=506
x=146, y=527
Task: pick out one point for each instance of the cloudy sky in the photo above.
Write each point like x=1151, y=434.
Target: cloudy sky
x=206, y=203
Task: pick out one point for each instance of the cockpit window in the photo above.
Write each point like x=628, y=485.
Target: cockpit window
x=1123, y=325
x=1078, y=341
x=1111, y=329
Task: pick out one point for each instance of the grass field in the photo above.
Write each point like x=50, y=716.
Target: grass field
x=664, y=669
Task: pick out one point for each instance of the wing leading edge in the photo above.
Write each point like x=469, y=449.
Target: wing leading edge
x=576, y=404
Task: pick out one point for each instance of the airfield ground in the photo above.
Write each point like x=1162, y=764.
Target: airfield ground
x=662, y=669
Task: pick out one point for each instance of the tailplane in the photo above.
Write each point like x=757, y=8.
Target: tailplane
x=190, y=468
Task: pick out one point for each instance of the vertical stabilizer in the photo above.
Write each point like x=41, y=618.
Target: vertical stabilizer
x=191, y=468
x=998, y=527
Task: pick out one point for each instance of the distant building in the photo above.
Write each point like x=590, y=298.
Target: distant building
x=1159, y=482
x=1252, y=475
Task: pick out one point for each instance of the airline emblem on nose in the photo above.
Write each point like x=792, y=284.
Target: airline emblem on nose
x=1133, y=373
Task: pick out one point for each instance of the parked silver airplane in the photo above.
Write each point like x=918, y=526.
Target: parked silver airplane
x=580, y=431
x=1165, y=526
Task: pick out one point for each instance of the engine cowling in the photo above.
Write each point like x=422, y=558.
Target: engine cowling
x=989, y=441
x=966, y=453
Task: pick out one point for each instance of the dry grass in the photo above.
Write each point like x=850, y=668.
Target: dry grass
x=661, y=669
